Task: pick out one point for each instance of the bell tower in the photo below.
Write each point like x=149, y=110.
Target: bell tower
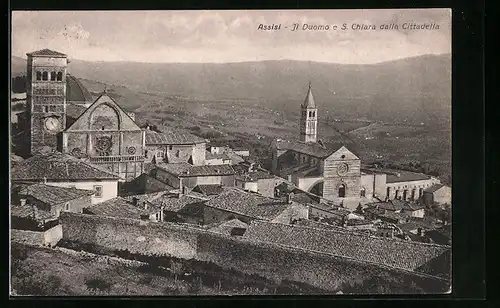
x=45, y=98
x=308, y=118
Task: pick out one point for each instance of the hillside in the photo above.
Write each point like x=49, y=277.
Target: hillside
x=411, y=90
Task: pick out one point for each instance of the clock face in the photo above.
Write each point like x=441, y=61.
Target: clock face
x=52, y=124
x=342, y=169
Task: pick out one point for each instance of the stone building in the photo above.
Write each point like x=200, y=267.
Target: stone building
x=336, y=173
x=174, y=146
x=61, y=115
x=63, y=170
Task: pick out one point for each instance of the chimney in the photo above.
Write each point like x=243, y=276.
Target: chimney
x=22, y=201
x=134, y=201
x=35, y=213
x=184, y=190
x=145, y=205
x=289, y=198
x=344, y=222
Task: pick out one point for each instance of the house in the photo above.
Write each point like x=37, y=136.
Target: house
x=440, y=235
x=242, y=152
x=437, y=193
x=184, y=174
x=54, y=199
x=63, y=170
x=180, y=207
x=123, y=208
x=174, y=146
x=326, y=211
x=144, y=184
x=30, y=217
x=217, y=159
x=258, y=181
x=247, y=206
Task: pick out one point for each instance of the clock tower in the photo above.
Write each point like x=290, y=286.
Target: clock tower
x=45, y=98
x=308, y=118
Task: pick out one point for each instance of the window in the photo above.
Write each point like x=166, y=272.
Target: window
x=178, y=153
x=45, y=76
x=38, y=75
x=46, y=108
x=363, y=192
x=53, y=76
x=170, y=147
x=66, y=206
x=97, y=191
x=159, y=154
x=59, y=76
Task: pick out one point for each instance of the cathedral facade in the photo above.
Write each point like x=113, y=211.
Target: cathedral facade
x=99, y=131
x=336, y=173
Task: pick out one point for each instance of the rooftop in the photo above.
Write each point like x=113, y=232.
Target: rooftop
x=53, y=194
x=47, y=53
x=208, y=189
x=249, y=204
x=174, y=137
x=175, y=202
x=309, y=100
x=227, y=226
x=210, y=155
x=76, y=91
x=310, y=148
x=58, y=166
x=354, y=245
x=122, y=208
x=74, y=110
x=27, y=211
x=434, y=188
x=188, y=170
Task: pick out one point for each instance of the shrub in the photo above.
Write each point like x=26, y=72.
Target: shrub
x=98, y=284
x=196, y=285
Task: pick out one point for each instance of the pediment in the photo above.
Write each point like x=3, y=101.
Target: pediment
x=104, y=114
x=342, y=153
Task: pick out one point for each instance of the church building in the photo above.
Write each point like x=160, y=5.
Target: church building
x=336, y=173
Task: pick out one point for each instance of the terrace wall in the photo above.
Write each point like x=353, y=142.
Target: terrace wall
x=272, y=261
x=48, y=237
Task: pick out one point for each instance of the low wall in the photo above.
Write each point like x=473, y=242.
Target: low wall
x=48, y=237
x=271, y=261
x=149, y=238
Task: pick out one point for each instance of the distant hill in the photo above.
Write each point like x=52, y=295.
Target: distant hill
x=411, y=90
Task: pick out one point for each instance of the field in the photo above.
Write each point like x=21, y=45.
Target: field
x=65, y=272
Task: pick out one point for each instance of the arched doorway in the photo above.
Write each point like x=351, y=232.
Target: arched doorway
x=405, y=194
x=388, y=193
x=342, y=191
x=413, y=192
x=396, y=195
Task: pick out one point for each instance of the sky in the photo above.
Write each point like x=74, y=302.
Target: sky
x=230, y=36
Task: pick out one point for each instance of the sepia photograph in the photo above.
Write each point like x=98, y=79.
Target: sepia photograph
x=230, y=152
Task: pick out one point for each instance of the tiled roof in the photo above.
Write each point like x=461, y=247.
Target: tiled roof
x=310, y=148
x=27, y=211
x=255, y=175
x=175, y=202
x=74, y=110
x=248, y=204
x=227, y=226
x=318, y=225
x=209, y=189
x=210, y=155
x=336, y=211
x=355, y=245
x=54, y=194
x=120, y=207
x=76, y=91
x=171, y=137
x=145, y=197
x=58, y=166
x=187, y=170
x=395, y=176
x=47, y=52
x=434, y=188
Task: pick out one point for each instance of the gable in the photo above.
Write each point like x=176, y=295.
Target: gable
x=104, y=114
x=342, y=154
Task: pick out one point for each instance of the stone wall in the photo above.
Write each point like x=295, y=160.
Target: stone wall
x=272, y=261
x=48, y=237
